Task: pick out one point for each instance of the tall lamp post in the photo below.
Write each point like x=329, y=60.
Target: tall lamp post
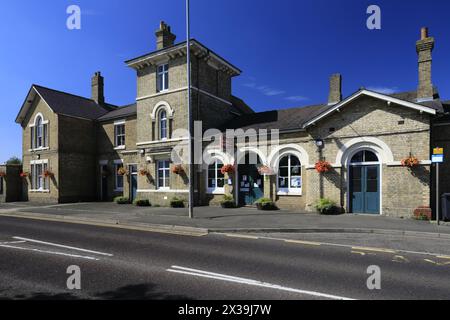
x=190, y=116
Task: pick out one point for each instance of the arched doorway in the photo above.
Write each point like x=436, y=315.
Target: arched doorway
x=250, y=181
x=364, y=182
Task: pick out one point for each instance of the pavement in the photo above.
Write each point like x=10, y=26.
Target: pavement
x=128, y=264
x=215, y=219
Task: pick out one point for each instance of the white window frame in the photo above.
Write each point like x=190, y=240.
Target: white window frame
x=34, y=129
x=38, y=182
x=289, y=190
x=164, y=76
x=216, y=189
x=166, y=127
x=164, y=171
x=118, y=164
x=117, y=135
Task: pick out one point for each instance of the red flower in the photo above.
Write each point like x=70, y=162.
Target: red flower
x=323, y=166
x=24, y=175
x=143, y=172
x=228, y=168
x=410, y=162
x=178, y=169
x=48, y=174
x=2, y=174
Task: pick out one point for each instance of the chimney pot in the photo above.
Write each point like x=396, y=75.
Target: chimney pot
x=424, y=33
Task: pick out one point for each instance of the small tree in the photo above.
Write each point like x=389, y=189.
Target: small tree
x=14, y=161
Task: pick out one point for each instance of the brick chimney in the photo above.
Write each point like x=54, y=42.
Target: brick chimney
x=424, y=48
x=164, y=37
x=335, y=95
x=98, y=88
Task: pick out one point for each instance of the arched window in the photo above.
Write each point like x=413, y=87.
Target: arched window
x=289, y=175
x=163, y=125
x=216, y=179
x=39, y=131
x=364, y=156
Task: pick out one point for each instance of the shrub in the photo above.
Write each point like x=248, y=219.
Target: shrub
x=227, y=202
x=176, y=203
x=422, y=217
x=327, y=207
x=121, y=200
x=142, y=203
x=266, y=204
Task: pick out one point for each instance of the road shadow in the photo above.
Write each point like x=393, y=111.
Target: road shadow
x=145, y=291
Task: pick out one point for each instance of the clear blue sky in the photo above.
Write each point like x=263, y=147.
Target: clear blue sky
x=286, y=48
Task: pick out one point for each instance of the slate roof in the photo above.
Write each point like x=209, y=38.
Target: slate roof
x=72, y=105
x=411, y=96
x=122, y=112
x=295, y=118
x=285, y=119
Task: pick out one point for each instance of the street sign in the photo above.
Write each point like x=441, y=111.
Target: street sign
x=438, y=151
x=437, y=158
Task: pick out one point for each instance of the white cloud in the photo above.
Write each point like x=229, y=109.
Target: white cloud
x=265, y=90
x=383, y=90
x=296, y=98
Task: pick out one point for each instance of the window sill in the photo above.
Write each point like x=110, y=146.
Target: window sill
x=39, y=149
x=289, y=193
x=40, y=191
x=120, y=148
x=220, y=191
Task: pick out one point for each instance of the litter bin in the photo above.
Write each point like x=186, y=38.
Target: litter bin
x=445, y=201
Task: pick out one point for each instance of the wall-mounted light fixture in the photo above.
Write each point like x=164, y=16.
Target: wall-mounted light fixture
x=149, y=159
x=319, y=143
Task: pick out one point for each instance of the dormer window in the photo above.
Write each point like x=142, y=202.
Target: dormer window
x=162, y=77
x=39, y=133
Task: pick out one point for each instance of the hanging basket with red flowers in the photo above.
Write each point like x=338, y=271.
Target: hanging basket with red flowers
x=228, y=168
x=144, y=172
x=48, y=174
x=410, y=162
x=323, y=166
x=2, y=174
x=177, y=169
x=122, y=171
x=24, y=175
x=265, y=170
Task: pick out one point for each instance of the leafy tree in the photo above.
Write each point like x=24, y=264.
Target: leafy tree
x=14, y=160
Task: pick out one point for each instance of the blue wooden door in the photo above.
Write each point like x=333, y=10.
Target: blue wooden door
x=365, y=189
x=251, y=185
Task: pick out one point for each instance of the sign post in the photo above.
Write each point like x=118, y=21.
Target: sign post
x=437, y=158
